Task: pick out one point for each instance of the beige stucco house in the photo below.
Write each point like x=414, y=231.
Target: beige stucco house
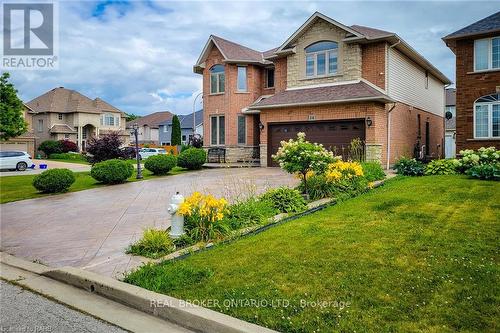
x=64, y=114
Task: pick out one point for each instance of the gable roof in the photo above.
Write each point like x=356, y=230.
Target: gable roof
x=152, y=120
x=186, y=120
x=355, y=91
x=372, y=33
x=231, y=51
x=62, y=100
x=487, y=25
x=308, y=23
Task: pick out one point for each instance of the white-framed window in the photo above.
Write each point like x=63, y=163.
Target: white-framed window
x=183, y=139
x=66, y=136
x=60, y=116
x=242, y=79
x=217, y=130
x=487, y=117
x=269, y=78
x=487, y=54
x=109, y=119
x=242, y=130
x=321, y=59
x=40, y=125
x=165, y=128
x=217, y=79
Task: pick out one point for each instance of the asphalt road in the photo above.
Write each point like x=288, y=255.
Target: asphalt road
x=24, y=311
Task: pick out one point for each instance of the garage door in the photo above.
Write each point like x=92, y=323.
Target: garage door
x=22, y=146
x=331, y=134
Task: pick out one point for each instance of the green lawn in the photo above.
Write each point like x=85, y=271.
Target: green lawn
x=75, y=161
x=14, y=188
x=416, y=255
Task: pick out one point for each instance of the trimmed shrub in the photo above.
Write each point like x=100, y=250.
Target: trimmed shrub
x=68, y=156
x=409, y=167
x=373, y=171
x=67, y=146
x=160, y=164
x=485, y=171
x=183, y=241
x=112, y=171
x=250, y=212
x=442, y=167
x=285, y=200
x=153, y=244
x=50, y=147
x=192, y=158
x=54, y=180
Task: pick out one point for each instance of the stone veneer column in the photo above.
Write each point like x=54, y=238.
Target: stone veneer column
x=373, y=152
x=263, y=154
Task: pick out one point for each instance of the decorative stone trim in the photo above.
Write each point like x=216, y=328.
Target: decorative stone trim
x=373, y=152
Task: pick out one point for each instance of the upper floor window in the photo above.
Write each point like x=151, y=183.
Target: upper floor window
x=269, y=77
x=242, y=78
x=217, y=78
x=109, y=119
x=487, y=54
x=60, y=116
x=40, y=125
x=487, y=117
x=321, y=59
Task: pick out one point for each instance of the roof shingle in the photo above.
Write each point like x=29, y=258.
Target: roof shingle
x=152, y=120
x=488, y=24
x=322, y=95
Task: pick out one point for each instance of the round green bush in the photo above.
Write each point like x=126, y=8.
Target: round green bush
x=54, y=180
x=112, y=171
x=160, y=164
x=192, y=158
x=285, y=200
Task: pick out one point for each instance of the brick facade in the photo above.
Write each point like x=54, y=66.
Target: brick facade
x=374, y=63
x=470, y=86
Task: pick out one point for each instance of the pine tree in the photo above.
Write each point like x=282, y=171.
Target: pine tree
x=176, y=131
x=12, y=121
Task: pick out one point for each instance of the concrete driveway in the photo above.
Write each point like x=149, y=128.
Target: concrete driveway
x=51, y=164
x=91, y=229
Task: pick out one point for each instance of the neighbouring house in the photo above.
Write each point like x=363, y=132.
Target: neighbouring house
x=450, y=123
x=26, y=141
x=477, y=51
x=149, y=127
x=65, y=114
x=333, y=82
x=187, y=122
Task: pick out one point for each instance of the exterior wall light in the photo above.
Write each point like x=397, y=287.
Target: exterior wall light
x=261, y=125
x=369, y=121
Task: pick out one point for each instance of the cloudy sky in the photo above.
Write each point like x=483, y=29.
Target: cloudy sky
x=139, y=55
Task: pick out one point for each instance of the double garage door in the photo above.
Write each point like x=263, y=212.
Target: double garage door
x=334, y=135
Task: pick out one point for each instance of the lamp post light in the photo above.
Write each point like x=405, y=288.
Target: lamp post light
x=137, y=156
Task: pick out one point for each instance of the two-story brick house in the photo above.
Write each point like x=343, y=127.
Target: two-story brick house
x=64, y=114
x=477, y=50
x=331, y=81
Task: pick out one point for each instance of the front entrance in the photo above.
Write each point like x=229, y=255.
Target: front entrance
x=334, y=135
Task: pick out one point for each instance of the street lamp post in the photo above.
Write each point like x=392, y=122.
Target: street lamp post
x=194, y=114
x=137, y=156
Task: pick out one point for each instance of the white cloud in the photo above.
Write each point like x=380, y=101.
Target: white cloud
x=139, y=56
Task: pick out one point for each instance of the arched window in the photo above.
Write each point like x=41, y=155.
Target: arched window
x=487, y=117
x=321, y=58
x=217, y=78
x=109, y=119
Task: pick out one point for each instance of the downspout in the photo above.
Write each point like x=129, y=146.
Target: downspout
x=392, y=107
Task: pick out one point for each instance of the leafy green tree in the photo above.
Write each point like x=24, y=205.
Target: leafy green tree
x=176, y=131
x=12, y=122
x=131, y=116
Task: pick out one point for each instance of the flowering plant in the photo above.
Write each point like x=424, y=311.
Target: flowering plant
x=301, y=157
x=482, y=156
x=344, y=174
x=204, y=214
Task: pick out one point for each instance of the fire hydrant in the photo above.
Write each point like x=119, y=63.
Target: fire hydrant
x=177, y=228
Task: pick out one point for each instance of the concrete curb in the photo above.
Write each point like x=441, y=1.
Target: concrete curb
x=165, y=307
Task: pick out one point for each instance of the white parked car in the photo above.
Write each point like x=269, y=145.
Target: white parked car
x=18, y=160
x=147, y=152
